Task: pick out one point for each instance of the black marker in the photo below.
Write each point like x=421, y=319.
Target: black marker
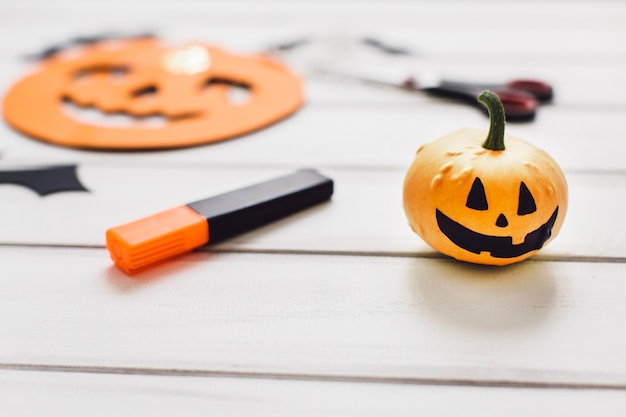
x=139, y=244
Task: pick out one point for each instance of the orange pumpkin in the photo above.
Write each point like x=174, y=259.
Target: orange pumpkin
x=185, y=87
x=480, y=201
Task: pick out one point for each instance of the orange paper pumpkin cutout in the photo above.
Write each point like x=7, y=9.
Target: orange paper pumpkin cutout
x=185, y=89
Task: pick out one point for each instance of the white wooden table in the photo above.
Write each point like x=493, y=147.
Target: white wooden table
x=341, y=309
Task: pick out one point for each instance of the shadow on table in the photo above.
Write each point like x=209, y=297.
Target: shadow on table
x=485, y=298
x=169, y=269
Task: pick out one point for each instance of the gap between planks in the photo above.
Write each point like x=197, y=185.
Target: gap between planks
x=171, y=372
x=199, y=253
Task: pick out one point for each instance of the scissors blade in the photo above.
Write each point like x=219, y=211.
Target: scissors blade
x=358, y=61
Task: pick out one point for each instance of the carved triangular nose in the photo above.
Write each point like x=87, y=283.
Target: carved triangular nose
x=502, y=221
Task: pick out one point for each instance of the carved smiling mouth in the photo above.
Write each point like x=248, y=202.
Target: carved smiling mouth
x=498, y=246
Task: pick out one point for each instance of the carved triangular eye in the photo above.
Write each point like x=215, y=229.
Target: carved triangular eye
x=526, y=203
x=477, y=199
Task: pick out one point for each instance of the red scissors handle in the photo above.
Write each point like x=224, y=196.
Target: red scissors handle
x=520, y=98
x=542, y=91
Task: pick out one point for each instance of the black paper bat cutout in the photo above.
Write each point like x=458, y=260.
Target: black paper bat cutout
x=44, y=180
x=83, y=40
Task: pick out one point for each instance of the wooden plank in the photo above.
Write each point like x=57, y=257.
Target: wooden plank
x=588, y=92
x=376, y=137
x=392, y=319
x=581, y=82
x=442, y=21
x=105, y=395
x=588, y=87
x=364, y=216
x=429, y=29
x=338, y=310
x=591, y=86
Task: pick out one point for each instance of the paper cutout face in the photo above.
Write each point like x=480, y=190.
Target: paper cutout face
x=186, y=90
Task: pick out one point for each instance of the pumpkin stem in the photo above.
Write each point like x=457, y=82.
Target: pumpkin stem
x=497, y=120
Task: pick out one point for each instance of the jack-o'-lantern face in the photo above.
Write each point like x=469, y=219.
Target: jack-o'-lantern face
x=174, y=96
x=497, y=239
x=484, y=206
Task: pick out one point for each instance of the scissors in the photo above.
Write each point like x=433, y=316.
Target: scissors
x=520, y=97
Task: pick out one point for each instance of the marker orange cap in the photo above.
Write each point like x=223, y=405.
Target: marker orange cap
x=139, y=244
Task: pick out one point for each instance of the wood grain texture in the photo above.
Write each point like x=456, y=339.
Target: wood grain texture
x=339, y=310
x=544, y=30
x=373, y=137
x=352, y=120
x=106, y=395
x=364, y=216
x=369, y=317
